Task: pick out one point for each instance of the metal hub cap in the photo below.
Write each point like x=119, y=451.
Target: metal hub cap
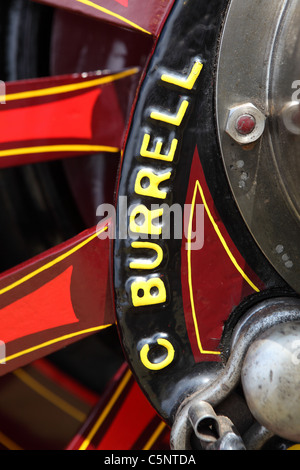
x=263, y=164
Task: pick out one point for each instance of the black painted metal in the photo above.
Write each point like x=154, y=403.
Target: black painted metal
x=191, y=31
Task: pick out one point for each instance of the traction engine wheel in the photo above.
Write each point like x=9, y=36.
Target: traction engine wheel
x=184, y=115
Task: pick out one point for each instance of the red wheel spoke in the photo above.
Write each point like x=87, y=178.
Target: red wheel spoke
x=146, y=17
x=33, y=121
x=123, y=403
x=43, y=302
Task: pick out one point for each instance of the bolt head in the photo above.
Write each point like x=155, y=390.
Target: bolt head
x=245, y=123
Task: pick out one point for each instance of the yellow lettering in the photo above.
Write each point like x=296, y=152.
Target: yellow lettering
x=141, y=220
x=163, y=363
x=146, y=264
x=156, y=154
x=184, y=82
x=176, y=119
x=151, y=182
x=148, y=292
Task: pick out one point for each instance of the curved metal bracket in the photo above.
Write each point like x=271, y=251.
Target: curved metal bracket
x=258, y=320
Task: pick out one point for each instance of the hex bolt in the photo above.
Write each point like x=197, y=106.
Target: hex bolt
x=245, y=123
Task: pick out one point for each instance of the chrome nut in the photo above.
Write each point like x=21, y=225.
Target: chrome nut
x=245, y=123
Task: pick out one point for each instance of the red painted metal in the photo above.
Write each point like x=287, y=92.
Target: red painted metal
x=56, y=298
x=107, y=426
x=64, y=116
x=39, y=309
x=145, y=17
x=48, y=121
x=105, y=47
x=64, y=294
x=212, y=292
x=57, y=412
x=123, y=2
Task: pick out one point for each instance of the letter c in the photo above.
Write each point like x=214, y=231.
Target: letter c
x=158, y=365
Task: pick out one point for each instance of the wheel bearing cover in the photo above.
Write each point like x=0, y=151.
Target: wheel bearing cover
x=264, y=176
